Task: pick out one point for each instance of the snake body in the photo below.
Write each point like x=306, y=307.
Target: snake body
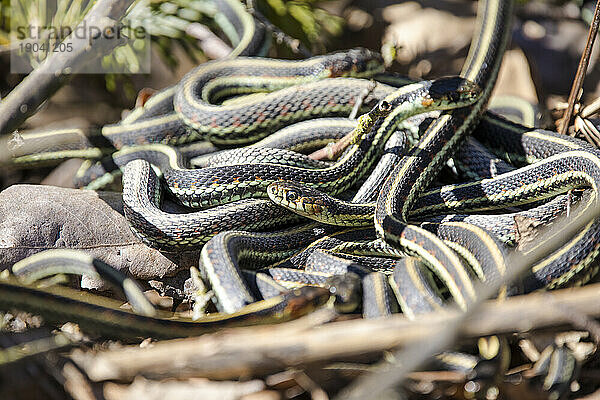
x=102, y=316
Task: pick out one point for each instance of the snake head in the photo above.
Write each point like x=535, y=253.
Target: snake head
x=302, y=301
x=347, y=289
x=452, y=92
x=298, y=198
x=355, y=62
x=381, y=110
x=366, y=121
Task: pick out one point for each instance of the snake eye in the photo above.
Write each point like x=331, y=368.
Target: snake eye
x=384, y=106
x=291, y=196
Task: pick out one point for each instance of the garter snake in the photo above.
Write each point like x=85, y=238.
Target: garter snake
x=442, y=102
x=377, y=301
x=226, y=253
x=299, y=137
x=101, y=315
x=248, y=36
x=241, y=123
x=247, y=121
x=484, y=254
x=416, y=170
x=564, y=154
x=66, y=261
x=218, y=185
x=166, y=230
x=513, y=142
x=414, y=288
x=542, y=180
x=559, y=172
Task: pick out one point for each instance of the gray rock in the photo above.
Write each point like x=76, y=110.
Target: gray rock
x=36, y=218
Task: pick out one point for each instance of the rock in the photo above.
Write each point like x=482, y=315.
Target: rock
x=36, y=218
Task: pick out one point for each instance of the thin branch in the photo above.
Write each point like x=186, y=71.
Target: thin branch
x=294, y=44
x=575, y=94
x=211, y=44
x=333, y=150
x=581, y=321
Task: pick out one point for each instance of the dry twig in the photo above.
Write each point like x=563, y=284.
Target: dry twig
x=575, y=94
x=260, y=350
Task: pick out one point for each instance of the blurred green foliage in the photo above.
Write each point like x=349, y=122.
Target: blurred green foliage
x=4, y=22
x=167, y=21
x=303, y=20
